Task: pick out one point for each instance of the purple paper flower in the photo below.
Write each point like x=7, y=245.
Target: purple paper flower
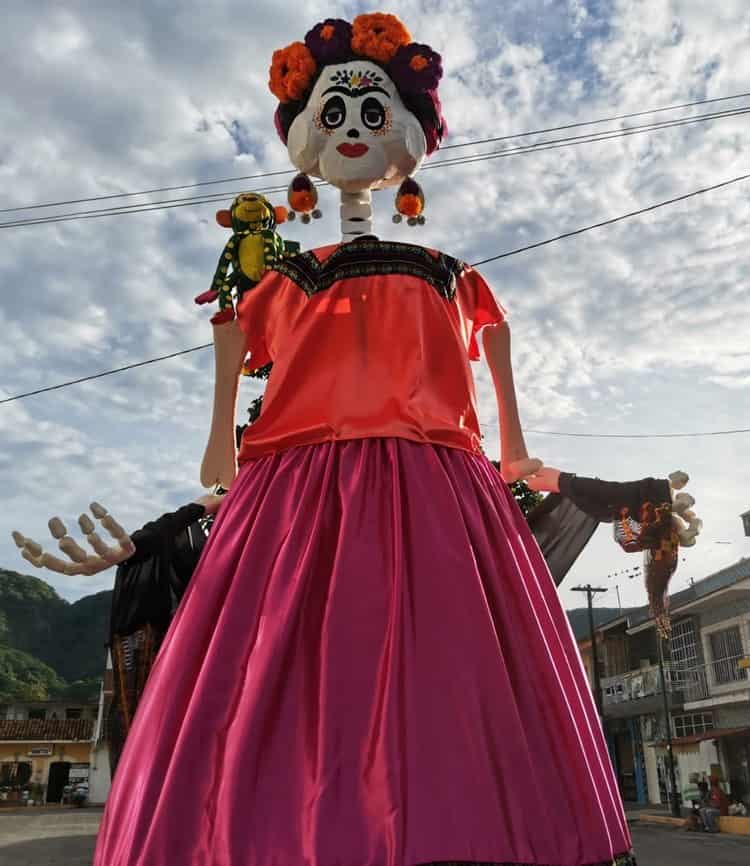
x=416, y=68
x=330, y=41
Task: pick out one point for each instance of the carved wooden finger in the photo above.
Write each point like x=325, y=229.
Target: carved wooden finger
x=113, y=528
x=29, y=557
x=111, y=555
x=678, y=479
x=70, y=547
x=19, y=538
x=86, y=524
x=127, y=547
x=54, y=563
x=33, y=548
x=57, y=528
x=99, y=511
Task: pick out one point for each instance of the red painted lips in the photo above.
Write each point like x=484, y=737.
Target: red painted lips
x=352, y=150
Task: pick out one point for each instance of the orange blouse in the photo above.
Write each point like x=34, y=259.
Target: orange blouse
x=368, y=339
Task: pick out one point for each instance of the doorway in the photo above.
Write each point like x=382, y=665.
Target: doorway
x=58, y=779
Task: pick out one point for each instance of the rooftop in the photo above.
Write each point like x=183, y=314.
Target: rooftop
x=46, y=730
x=719, y=580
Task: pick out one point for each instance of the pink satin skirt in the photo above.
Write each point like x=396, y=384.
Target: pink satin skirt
x=371, y=667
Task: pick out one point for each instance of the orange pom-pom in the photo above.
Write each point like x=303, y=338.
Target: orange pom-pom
x=418, y=62
x=378, y=36
x=292, y=71
x=327, y=32
x=410, y=205
x=281, y=214
x=303, y=200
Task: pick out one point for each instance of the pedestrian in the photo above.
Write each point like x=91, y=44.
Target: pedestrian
x=717, y=805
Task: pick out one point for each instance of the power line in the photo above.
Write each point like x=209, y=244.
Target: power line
x=613, y=220
x=549, y=144
x=475, y=264
x=602, y=120
x=105, y=373
x=279, y=173
x=588, y=138
x=639, y=435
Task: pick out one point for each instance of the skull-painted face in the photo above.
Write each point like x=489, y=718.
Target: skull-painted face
x=355, y=131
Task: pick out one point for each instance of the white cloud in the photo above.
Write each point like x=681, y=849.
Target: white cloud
x=638, y=327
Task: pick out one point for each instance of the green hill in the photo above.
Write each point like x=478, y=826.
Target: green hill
x=48, y=646
x=579, y=618
x=24, y=678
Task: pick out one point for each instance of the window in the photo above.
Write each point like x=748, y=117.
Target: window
x=13, y=774
x=726, y=649
x=693, y=723
x=38, y=714
x=683, y=645
x=73, y=713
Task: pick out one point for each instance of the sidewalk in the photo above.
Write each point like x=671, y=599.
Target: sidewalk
x=660, y=814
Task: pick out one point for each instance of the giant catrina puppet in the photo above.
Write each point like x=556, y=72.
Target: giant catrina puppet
x=371, y=646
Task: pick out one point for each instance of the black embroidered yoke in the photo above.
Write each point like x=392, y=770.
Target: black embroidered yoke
x=368, y=257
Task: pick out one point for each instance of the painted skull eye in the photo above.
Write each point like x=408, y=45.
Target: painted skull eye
x=373, y=113
x=334, y=113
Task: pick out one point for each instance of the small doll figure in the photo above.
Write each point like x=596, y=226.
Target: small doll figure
x=253, y=248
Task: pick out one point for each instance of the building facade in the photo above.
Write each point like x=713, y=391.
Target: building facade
x=46, y=746
x=700, y=691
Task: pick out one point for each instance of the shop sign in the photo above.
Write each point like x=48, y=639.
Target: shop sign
x=78, y=773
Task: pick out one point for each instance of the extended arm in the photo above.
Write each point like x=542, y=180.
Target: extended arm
x=156, y=534
x=219, y=465
x=144, y=543
x=514, y=459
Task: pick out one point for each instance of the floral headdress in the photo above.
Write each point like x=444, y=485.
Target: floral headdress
x=415, y=69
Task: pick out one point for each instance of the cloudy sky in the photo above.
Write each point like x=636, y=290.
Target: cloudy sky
x=636, y=328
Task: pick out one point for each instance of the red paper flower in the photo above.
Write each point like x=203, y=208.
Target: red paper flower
x=378, y=36
x=292, y=72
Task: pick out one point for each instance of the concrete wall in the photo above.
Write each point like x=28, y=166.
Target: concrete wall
x=726, y=610
x=733, y=716
x=99, y=776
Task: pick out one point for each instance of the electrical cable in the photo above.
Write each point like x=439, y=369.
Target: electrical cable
x=475, y=264
x=553, y=144
x=258, y=175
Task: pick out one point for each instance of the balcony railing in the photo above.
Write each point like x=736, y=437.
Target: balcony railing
x=694, y=684
x=717, y=677
x=635, y=685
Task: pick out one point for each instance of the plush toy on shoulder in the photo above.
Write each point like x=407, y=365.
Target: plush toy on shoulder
x=253, y=248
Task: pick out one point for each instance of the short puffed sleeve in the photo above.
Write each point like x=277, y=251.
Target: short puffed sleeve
x=266, y=314
x=478, y=306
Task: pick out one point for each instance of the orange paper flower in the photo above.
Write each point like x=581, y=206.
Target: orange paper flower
x=292, y=71
x=378, y=36
x=302, y=201
x=410, y=205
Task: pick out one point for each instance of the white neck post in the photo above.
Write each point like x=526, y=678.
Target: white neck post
x=356, y=214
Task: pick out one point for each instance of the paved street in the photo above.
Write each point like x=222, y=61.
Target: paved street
x=66, y=838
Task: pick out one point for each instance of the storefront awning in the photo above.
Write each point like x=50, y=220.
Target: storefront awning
x=714, y=734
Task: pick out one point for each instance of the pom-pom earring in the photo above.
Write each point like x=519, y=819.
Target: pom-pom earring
x=303, y=199
x=410, y=203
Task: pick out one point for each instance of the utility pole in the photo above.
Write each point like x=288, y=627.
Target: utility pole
x=590, y=593
x=675, y=797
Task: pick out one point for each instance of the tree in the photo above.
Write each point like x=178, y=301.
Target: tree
x=526, y=498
